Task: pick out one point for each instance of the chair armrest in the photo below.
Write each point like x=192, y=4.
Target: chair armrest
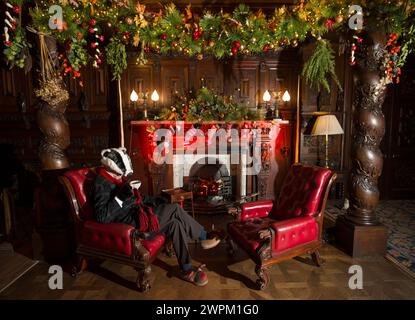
x=255, y=210
x=292, y=232
x=113, y=237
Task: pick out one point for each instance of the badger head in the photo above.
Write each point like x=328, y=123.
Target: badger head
x=117, y=161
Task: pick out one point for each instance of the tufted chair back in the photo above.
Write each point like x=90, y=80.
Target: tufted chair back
x=302, y=191
x=82, y=181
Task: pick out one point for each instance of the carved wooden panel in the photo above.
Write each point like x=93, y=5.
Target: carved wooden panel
x=209, y=73
x=139, y=78
x=242, y=80
x=174, y=79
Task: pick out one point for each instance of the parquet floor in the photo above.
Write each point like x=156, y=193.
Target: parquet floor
x=229, y=278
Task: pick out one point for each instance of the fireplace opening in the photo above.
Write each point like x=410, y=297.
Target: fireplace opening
x=211, y=184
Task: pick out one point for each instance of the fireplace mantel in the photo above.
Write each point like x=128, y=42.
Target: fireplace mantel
x=156, y=177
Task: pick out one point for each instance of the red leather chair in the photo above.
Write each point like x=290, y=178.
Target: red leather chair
x=271, y=233
x=114, y=241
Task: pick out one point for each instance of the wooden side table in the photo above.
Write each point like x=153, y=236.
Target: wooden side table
x=178, y=195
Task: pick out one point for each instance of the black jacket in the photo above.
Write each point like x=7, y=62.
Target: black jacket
x=108, y=210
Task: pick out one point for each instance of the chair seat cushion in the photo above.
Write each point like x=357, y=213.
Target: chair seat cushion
x=245, y=233
x=115, y=238
x=288, y=233
x=293, y=232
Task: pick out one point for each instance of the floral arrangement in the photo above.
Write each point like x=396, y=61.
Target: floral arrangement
x=206, y=107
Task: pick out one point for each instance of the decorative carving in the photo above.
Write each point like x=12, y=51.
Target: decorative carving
x=55, y=129
x=262, y=273
x=265, y=250
x=369, y=129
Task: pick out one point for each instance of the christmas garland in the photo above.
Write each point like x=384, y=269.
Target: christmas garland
x=95, y=30
x=16, y=48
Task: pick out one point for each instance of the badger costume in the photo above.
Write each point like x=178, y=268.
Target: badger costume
x=116, y=199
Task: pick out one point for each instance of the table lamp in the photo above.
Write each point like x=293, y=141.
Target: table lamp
x=327, y=125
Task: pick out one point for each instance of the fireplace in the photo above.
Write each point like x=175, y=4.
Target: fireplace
x=210, y=179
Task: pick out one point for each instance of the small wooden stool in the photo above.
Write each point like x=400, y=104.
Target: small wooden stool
x=178, y=195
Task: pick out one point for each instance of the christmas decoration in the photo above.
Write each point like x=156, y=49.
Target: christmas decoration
x=205, y=107
x=16, y=46
x=356, y=41
x=320, y=66
x=392, y=70
x=106, y=24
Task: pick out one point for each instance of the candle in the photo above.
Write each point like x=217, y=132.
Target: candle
x=6, y=33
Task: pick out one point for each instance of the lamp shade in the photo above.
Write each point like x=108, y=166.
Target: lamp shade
x=267, y=96
x=155, y=96
x=327, y=125
x=133, y=96
x=286, y=96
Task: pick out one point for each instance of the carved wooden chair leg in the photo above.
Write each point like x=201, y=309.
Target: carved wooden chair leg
x=143, y=279
x=263, y=275
x=80, y=266
x=317, y=259
x=230, y=246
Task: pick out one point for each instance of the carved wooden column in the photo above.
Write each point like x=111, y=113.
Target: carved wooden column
x=52, y=218
x=359, y=231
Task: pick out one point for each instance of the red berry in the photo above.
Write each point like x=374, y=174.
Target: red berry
x=101, y=38
x=236, y=44
x=234, y=50
x=99, y=61
x=16, y=9
x=79, y=34
x=92, y=22
x=177, y=27
x=93, y=45
x=200, y=32
x=163, y=36
x=266, y=47
x=13, y=27
x=91, y=30
x=8, y=43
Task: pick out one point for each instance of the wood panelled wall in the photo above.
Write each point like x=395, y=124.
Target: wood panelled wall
x=92, y=112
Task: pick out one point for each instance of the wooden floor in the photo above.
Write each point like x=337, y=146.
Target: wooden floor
x=229, y=278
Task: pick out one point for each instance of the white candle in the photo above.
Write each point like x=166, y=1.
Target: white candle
x=8, y=23
x=6, y=33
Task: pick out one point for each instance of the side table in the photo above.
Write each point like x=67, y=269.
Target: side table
x=178, y=195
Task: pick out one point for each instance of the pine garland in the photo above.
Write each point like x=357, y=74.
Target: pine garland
x=321, y=66
x=220, y=34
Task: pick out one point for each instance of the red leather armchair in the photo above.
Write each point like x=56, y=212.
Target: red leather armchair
x=272, y=232
x=114, y=241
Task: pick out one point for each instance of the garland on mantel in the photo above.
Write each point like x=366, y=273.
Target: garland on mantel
x=96, y=30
